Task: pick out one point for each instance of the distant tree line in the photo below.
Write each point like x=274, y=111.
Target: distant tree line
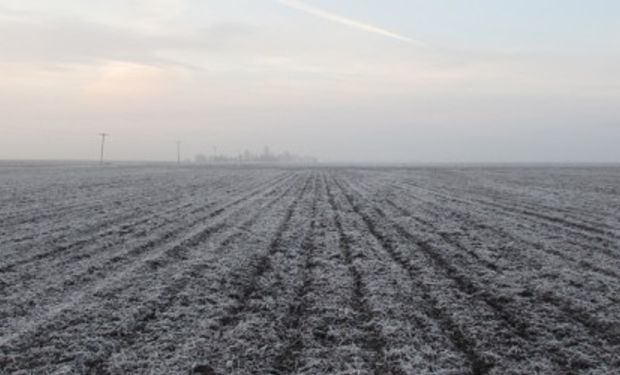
x=248, y=157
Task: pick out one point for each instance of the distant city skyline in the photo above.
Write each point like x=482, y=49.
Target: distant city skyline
x=346, y=80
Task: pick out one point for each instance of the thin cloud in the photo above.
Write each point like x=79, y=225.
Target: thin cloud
x=300, y=5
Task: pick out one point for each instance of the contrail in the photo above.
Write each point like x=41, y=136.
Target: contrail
x=300, y=5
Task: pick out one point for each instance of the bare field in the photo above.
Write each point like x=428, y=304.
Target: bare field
x=248, y=270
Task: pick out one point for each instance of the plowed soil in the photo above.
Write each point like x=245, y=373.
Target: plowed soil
x=256, y=270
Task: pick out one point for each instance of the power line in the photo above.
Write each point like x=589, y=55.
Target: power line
x=45, y=132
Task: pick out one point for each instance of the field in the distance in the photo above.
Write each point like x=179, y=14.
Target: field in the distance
x=247, y=270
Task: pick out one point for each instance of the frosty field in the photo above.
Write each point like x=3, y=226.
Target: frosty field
x=133, y=269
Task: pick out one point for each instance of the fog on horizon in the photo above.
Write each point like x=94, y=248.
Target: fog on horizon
x=346, y=80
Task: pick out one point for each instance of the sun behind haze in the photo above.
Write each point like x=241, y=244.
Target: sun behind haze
x=343, y=80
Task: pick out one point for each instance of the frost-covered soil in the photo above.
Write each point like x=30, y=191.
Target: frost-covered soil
x=162, y=270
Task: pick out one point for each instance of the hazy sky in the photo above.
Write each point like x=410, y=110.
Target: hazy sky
x=354, y=80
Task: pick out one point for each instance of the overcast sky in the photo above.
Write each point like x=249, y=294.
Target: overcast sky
x=343, y=80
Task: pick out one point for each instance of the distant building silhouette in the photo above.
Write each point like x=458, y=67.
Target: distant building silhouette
x=200, y=158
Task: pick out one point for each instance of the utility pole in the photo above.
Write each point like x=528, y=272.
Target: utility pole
x=103, y=137
x=179, y=152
